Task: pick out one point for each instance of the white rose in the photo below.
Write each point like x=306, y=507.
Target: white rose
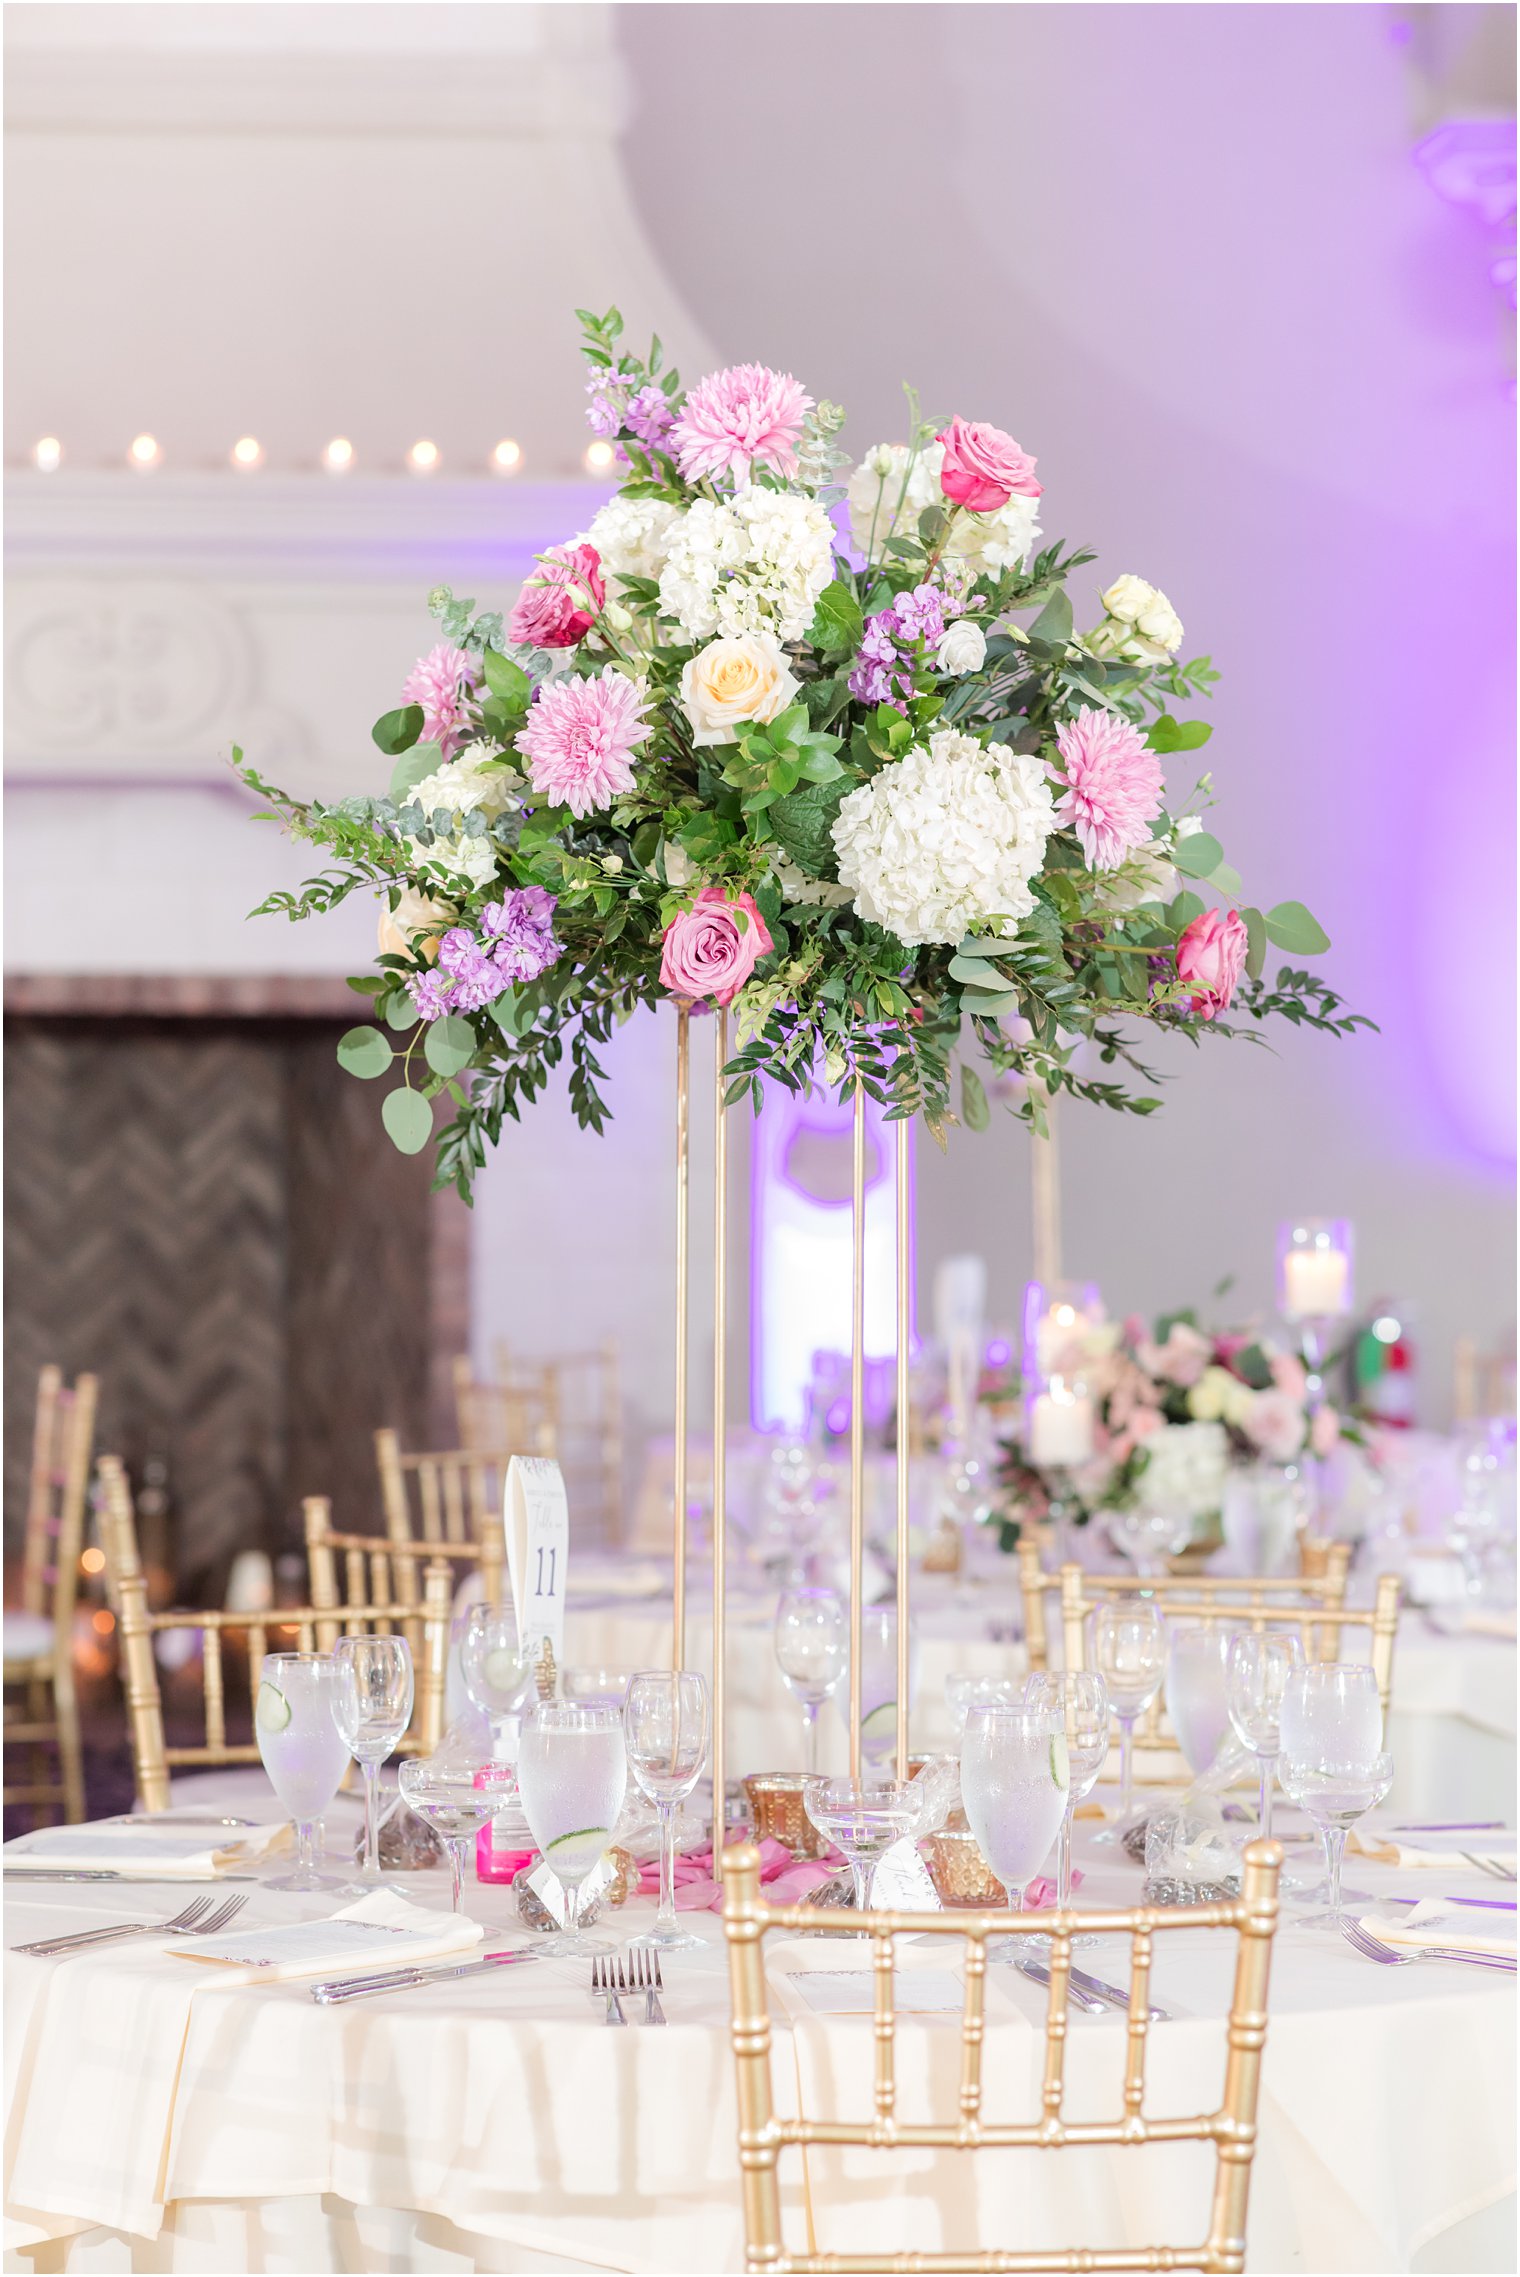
x=415, y=913
x=963, y=649
x=734, y=682
x=1159, y=622
x=1128, y=598
x=678, y=869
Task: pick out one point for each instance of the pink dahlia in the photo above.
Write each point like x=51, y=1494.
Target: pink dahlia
x=442, y=682
x=736, y=418
x=1113, y=788
x=580, y=739
x=1211, y=956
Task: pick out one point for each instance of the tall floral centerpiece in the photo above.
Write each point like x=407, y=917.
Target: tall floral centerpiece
x=813, y=739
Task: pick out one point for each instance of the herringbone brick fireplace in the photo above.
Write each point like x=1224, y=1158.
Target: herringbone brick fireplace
x=203, y=1209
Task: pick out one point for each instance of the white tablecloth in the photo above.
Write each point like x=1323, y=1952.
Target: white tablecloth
x=497, y=2125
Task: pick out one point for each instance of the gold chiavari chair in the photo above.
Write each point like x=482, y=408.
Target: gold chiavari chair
x=39, y=1633
x=1482, y=1383
x=583, y=1400
x=520, y=1414
x=453, y=1496
x=425, y=1626
x=376, y=1568
x=1231, y=2127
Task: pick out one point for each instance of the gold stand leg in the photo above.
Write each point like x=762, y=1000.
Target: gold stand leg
x=1045, y=1182
x=857, y=1416
x=904, y=1319
x=720, y=1431
x=683, y=1200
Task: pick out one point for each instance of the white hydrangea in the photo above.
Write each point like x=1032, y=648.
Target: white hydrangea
x=756, y=562
x=632, y=536
x=462, y=787
x=887, y=494
x=1188, y=1465
x=944, y=840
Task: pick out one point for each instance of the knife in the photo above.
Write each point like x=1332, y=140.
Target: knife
x=112, y=1874
x=1040, y=1974
x=1456, y=1826
x=1094, y=1987
x=336, y=1989
x=1493, y=1904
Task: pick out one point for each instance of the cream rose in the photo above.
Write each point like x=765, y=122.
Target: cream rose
x=963, y=649
x=1127, y=598
x=415, y=913
x=732, y=683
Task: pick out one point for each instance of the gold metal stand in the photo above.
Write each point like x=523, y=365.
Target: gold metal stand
x=857, y=1415
x=720, y=1434
x=904, y=1434
x=1045, y=1182
x=683, y=1262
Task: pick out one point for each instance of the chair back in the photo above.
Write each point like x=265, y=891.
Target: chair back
x=580, y=1394
x=62, y=1438
x=1231, y=2126
x=520, y=1414
x=1482, y=1383
x=375, y=1568
x=425, y=1626
x=1326, y=1566
x=453, y=1496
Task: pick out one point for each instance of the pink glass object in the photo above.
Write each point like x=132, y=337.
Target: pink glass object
x=493, y=1861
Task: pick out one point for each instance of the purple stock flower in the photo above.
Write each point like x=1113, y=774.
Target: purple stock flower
x=894, y=646
x=605, y=411
x=521, y=926
x=650, y=417
x=431, y=993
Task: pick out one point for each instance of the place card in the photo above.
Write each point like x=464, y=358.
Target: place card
x=852, y=1992
x=536, y=1517
x=303, y=1944
x=902, y=1883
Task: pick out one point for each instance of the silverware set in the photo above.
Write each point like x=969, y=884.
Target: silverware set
x=609, y=1978
x=333, y=1991
x=1373, y=1949
x=1088, y=1992
x=1493, y=1867
x=200, y=1918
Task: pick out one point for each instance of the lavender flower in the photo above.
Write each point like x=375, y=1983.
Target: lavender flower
x=895, y=645
x=650, y=417
x=607, y=410
x=430, y=992
x=521, y=926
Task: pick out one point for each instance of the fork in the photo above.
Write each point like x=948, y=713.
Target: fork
x=1373, y=1949
x=644, y=1976
x=1491, y=1866
x=200, y=1917
x=601, y=1981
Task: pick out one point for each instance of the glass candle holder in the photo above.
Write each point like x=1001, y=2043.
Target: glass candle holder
x=1314, y=1261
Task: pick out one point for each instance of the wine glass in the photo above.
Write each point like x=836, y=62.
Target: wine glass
x=443, y=1790
x=373, y=1706
x=594, y=1687
x=1332, y=1761
x=1149, y=1537
x=1129, y=1653
x=665, y=1729
x=303, y=1751
x=498, y=1674
x=878, y=1681
x=963, y=1693
x=1014, y=1786
x=812, y=1651
x=572, y=1771
x=1256, y=1675
x=1197, y=1698
x=863, y=1818
x=1078, y=1700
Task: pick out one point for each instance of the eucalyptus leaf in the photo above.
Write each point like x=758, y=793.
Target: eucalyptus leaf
x=1256, y=935
x=397, y=1010
x=450, y=1045
x=1226, y=880
x=408, y=1117
x=422, y=760
x=1199, y=855
x=1054, y=621
x=397, y=731
x=975, y=1113
x=976, y=970
x=1290, y=926
x=507, y=681
x=982, y=946
x=364, y=1052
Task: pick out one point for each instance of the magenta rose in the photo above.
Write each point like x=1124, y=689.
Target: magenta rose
x=709, y=951
x=1210, y=957
x=984, y=467
x=562, y=599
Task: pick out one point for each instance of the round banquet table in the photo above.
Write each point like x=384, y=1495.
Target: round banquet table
x=160, y=2121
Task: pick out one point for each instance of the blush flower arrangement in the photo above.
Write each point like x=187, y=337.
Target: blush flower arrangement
x=817, y=741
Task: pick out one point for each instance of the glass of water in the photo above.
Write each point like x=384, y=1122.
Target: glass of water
x=443, y=1790
x=878, y=1682
x=1197, y=1695
x=303, y=1751
x=665, y=1734
x=812, y=1651
x=1256, y=1676
x=498, y=1674
x=1333, y=1764
x=1129, y=1653
x=1014, y=1784
x=1078, y=1700
x=373, y=1706
x=572, y=1772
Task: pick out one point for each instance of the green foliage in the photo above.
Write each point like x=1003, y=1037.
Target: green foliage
x=364, y=1052
x=408, y=1119
x=397, y=731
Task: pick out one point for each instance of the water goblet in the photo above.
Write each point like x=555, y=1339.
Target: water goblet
x=1256, y=1675
x=444, y=1791
x=373, y=1706
x=1197, y=1700
x=963, y=1693
x=878, y=1681
x=498, y=1674
x=1014, y=1786
x=665, y=1730
x=303, y=1751
x=1129, y=1653
x=863, y=1818
x=812, y=1651
x=1331, y=1725
x=1149, y=1537
x=594, y=1687
x=1078, y=1700
x=572, y=1771
x=1335, y=1798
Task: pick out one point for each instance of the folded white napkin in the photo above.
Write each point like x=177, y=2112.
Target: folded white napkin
x=1453, y=1851
x=157, y=1849
x=380, y=1931
x=1454, y=1927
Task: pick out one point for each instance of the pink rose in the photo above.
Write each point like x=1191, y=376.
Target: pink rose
x=712, y=948
x=1289, y=1375
x=984, y=467
x=561, y=600
x=1211, y=955
x=1145, y=1423
x=1275, y=1424
x=1324, y=1431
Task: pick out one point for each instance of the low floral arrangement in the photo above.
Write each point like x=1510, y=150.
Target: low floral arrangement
x=817, y=741
x=1177, y=1408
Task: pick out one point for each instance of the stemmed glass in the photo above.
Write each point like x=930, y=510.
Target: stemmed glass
x=878, y=1681
x=373, y=1706
x=498, y=1674
x=1149, y=1537
x=963, y=1693
x=1256, y=1677
x=303, y=1751
x=1078, y=1700
x=1197, y=1698
x=812, y=1652
x=572, y=1771
x=1332, y=1763
x=665, y=1735
x=1014, y=1785
x=863, y=1818
x=1129, y=1653
x=442, y=1790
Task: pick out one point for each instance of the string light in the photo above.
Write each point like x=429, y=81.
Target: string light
x=507, y=457
x=247, y=452
x=599, y=457
x=339, y=455
x=422, y=458
x=144, y=453
x=47, y=456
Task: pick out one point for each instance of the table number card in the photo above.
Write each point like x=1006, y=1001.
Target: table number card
x=902, y=1883
x=537, y=1518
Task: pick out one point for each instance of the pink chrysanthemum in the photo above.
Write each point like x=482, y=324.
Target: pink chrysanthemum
x=737, y=418
x=441, y=682
x=580, y=739
x=1113, y=788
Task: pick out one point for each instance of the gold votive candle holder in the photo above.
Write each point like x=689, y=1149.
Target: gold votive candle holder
x=958, y=1870
x=777, y=1809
